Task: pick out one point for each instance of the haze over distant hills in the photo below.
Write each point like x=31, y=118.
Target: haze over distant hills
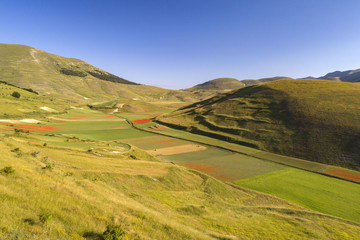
x=221, y=85
x=345, y=76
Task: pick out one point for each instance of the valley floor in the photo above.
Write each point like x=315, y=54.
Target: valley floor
x=87, y=169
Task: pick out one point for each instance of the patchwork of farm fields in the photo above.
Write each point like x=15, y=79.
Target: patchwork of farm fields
x=99, y=133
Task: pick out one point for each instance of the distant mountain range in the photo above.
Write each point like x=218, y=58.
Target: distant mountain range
x=221, y=85
x=345, y=76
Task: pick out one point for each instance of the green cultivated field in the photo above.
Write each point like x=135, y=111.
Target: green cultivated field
x=93, y=125
x=204, y=139
x=154, y=142
x=314, y=191
x=224, y=164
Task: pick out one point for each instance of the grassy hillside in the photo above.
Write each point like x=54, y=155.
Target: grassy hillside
x=68, y=194
x=26, y=104
x=249, y=82
x=222, y=85
x=316, y=120
x=73, y=79
x=218, y=84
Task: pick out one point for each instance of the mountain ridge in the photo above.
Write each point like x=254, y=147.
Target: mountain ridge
x=345, y=76
x=74, y=79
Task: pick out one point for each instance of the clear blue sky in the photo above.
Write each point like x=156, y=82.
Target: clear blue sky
x=179, y=43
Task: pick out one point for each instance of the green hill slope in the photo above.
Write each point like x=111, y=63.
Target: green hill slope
x=249, y=82
x=219, y=84
x=316, y=120
x=222, y=85
x=73, y=79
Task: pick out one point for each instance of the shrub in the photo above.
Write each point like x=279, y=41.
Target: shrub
x=7, y=170
x=34, y=154
x=18, y=131
x=114, y=232
x=44, y=217
x=73, y=72
x=16, y=94
x=48, y=167
x=16, y=150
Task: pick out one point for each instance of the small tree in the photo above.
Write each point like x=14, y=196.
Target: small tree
x=7, y=170
x=114, y=232
x=16, y=94
x=44, y=217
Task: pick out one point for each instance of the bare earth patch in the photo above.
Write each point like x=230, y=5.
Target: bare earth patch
x=177, y=149
x=48, y=109
x=26, y=120
x=211, y=170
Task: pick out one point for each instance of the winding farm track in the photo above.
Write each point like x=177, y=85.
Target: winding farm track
x=354, y=178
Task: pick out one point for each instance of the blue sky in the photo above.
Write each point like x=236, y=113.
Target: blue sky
x=179, y=43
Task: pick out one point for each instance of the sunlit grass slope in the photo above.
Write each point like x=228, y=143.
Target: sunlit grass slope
x=28, y=104
x=312, y=119
x=218, y=84
x=63, y=194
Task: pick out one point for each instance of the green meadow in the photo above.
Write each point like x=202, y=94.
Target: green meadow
x=311, y=190
x=224, y=164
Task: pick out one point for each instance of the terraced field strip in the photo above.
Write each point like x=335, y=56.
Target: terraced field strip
x=177, y=149
x=342, y=173
x=333, y=171
x=154, y=142
x=203, y=139
x=324, y=194
x=28, y=127
x=135, y=116
x=96, y=126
